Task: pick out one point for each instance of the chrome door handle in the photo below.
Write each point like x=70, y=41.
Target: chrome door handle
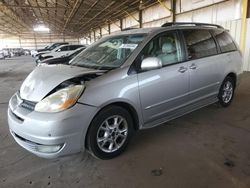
x=193, y=66
x=182, y=69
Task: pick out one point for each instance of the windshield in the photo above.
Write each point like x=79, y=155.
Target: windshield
x=108, y=54
x=50, y=47
x=53, y=46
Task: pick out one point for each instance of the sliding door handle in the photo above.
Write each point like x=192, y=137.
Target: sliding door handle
x=182, y=69
x=193, y=66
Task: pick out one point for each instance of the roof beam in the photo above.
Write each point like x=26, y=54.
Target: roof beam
x=39, y=10
x=72, y=13
x=55, y=13
x=107, y=16
x=7, y=31
x=13, y=26
x=33, y=7
x=91, y=8
x=9, y=13
x=132, y=16
x=108, y=6
x=25, y=13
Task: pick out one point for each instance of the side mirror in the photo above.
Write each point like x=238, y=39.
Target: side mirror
x=151, y=63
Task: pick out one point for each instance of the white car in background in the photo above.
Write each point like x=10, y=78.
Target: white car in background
x=47, y=49
x=1, y=54
x=60, y=60
x=60, y=51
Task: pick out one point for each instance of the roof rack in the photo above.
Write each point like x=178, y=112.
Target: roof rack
x=191, y=23
x=129, y=28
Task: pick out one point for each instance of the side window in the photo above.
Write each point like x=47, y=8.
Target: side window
x=225, y=41
x=165, y=47
x=65, y=48
x=73, y=47
x=200, y=43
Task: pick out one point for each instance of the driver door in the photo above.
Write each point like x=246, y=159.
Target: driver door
x=164, y=90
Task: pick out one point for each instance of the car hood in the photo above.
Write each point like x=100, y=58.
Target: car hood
x=57, y=60
x=44, y=79
x=41, y=50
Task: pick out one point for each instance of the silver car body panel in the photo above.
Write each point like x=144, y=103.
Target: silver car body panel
x=156, y=96
x=67, y=128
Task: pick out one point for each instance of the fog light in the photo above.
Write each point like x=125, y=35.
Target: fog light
x=48, y=149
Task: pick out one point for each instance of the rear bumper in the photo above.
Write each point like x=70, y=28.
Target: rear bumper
x=65, y=130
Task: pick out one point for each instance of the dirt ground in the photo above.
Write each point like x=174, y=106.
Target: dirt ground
x=207, y=148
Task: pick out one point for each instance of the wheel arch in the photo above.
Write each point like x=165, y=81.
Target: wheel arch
x=234, y=76
x=132, y=111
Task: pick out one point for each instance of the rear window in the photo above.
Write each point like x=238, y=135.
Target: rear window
x=74, y=47
x=200, y=43
x=225, y=41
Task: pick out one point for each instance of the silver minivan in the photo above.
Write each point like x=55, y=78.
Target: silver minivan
x=132, y=80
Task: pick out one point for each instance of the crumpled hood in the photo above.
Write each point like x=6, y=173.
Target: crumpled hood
x=45, y=78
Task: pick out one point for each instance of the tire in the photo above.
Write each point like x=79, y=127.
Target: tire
x=113, y=127
x=226, y=93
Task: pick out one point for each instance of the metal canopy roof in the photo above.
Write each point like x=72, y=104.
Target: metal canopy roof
x=69, y=17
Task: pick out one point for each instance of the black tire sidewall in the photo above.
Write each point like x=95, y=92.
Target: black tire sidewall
x=222, y=103
x=96, y=123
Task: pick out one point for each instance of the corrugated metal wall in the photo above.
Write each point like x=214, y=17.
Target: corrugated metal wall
x=246, y=55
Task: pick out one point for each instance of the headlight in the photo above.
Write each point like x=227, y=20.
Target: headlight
x=60, y=100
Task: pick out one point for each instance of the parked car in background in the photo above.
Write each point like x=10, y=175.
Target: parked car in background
x=1, y=54
x=33, y=53
x=13, y=52
x=47, y=48
x=59, y=51
x=17, y=51
x=60, y=60
x=127, y=81
x=26, y=52
x=6, y=53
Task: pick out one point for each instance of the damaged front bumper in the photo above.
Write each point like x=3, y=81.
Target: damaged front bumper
x=49, y=135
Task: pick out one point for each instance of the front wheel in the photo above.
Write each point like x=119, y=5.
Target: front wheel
x=110, y=132
x=226, y=92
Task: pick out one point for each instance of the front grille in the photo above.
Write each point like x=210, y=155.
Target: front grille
x=29, y=105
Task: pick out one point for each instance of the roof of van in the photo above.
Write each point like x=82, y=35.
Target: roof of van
x=168, y=26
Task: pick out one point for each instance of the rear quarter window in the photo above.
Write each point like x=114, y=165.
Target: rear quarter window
x=225, y=41
x=200, y=43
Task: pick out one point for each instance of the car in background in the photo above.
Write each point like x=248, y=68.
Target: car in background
x=59, y=51
x=1, y=54
x=47, y=48
x=33, y=53
x=60, y=60
x=12, y=52
x=26, y=52
x=6, y=53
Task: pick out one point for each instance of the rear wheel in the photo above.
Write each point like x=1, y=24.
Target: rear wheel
x=110, y=132
x=226, y=93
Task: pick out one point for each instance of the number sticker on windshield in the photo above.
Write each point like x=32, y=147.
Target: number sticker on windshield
x=129, y=46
